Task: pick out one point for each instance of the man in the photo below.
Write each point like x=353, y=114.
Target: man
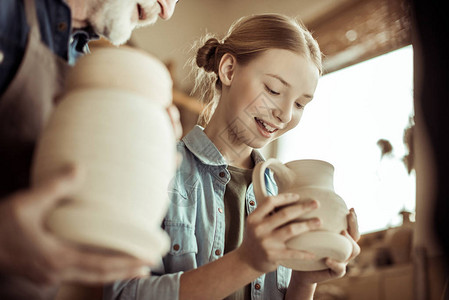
x=38, y=40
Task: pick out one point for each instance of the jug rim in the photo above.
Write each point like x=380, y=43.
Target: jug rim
x=316, y=162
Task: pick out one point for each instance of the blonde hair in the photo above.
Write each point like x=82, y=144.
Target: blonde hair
x=246, y=39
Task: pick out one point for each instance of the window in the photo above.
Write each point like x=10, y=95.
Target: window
x=352, y=110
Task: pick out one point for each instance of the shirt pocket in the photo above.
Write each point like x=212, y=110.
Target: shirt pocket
x=183, y=247
x=283, y=275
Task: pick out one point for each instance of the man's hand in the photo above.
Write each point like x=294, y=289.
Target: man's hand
x=175, y=119
x=28, y=249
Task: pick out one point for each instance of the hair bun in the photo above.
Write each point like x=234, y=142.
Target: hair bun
x=205, y=57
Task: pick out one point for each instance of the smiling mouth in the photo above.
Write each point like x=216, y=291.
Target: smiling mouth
x=265, y=126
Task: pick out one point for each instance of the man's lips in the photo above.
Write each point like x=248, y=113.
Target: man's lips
x=142, y=13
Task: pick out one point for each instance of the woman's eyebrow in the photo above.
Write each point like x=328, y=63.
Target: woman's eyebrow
x=280, y=79
x=287, y=84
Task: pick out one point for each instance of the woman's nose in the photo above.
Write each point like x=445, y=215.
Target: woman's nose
x=283, y=114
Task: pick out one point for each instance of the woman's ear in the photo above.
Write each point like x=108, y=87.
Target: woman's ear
x=226, y=68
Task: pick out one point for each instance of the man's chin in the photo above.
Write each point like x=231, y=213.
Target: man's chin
x=118, y=38
x=150, y=21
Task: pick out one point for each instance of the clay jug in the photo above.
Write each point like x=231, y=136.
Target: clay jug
x=112, y=121
x=311, y=179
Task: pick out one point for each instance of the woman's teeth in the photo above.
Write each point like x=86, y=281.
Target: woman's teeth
x=266, y=126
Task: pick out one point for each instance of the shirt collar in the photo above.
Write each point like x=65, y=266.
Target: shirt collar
x=83, y=36
x=78, y=42
x=202, y=147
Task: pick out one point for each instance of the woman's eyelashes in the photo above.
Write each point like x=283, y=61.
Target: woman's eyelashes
x=274, y=93
x=270, y=91
x=299, y=105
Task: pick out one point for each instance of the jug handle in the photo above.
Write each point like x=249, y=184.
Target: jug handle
x=260, y=190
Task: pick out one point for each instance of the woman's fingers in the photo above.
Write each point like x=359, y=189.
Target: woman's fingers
x=267, y=205
x=353, y=225
x=292, y=254
x=291, y=213
x=337, y=268
x=293, y=229
x=355, y=247
x=287, y=207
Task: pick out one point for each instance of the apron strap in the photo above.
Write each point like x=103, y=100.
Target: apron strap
x=31, y=14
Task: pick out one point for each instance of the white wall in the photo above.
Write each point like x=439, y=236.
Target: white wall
x=173, y=39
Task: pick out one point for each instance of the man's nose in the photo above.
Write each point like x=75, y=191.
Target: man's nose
x=167, y=8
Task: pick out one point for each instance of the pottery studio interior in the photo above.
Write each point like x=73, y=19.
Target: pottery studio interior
x=378, y=116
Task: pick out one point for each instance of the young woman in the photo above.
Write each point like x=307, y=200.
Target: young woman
x=256, y=83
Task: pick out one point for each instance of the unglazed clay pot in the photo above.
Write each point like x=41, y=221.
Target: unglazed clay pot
x=311, y=179
x=123, y=68
x=112, y=121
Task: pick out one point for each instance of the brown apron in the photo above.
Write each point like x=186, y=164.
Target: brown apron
x=26, y=105
x=24, y=109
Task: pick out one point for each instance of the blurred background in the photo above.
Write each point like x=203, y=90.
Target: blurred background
x=362, y=120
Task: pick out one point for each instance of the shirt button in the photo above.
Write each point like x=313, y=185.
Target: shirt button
x=257, y=286
x=176, y=247
x=217, y=252
x=62, y=26
x=252, y=203
x=2, y=56
x=220, y=210
x=222, y=174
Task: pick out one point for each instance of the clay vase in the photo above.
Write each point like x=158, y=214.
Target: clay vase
x=311, y=179
x=112, y=121
x=399, y=240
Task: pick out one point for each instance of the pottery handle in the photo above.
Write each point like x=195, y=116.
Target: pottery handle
x=260, y=190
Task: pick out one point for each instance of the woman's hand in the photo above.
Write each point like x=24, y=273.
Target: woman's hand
x=337, y=269
x=266, y=232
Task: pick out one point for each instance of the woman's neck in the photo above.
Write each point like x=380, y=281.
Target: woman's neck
x=234, y=151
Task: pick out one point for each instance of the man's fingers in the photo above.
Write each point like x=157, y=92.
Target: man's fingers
x=90, y=266
x=62, y=184
x=83, y=276
x=175, y=119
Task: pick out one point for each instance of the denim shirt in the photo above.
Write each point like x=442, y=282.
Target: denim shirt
x=195, y=222
x=55, y=28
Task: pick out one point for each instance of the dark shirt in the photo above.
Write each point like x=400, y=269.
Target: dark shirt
x=235, y=216
x=56, y=32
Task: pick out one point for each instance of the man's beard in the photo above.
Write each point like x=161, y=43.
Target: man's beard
x=112, y=18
